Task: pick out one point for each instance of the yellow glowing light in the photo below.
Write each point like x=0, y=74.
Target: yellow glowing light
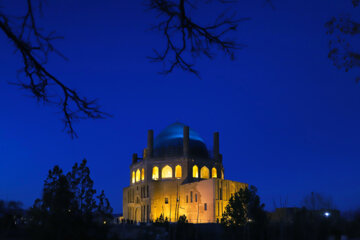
x=195, y=171
x=178, y=172
x=142, y=174
x=204, y=172
x=166, y=172
x=137, y=175
x=133, y=177
x=222, y=174
x=155, y=173
x=213, y=173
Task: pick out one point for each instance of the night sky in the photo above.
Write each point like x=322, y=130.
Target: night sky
x=288, y=119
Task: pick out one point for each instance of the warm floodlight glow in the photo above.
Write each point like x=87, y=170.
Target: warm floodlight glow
x=204, y=172
x=137, y=175
x=133, y=177
x=142, y=174
x=195, y=171
x=178, y=172
x=222, y=174
x=166, y=172
x=213, y=173
x=155, y=173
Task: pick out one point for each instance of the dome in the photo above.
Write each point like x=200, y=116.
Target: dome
x=170, y=142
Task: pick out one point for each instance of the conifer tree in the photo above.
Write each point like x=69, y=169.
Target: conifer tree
x=68, y=208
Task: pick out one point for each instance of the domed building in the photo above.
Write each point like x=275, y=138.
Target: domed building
x=177, y=175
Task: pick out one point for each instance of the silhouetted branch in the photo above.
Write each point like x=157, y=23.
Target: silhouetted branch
x=183, y=35
x=35, y=47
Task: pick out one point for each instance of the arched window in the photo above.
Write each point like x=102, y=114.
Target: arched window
x=222, y=174
x=133, y=177
x=142, y=174
x=213, y=172
x=155, y=173
x=204, y=172
x=195, y=171
x=178, y=172
x=166, y=172
x=137, y=175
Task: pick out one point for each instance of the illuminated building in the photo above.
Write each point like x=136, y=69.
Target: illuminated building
x=178, y=176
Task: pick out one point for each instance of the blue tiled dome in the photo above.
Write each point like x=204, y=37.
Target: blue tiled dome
x=170, y=142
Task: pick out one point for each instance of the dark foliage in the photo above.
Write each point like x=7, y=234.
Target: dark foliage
x=244, y=207
x=185, y=36
x=182, y=220
x=10, y=215
x=34, y=47
x=352, y=224
x=355, y=2
x=342, y=30
x=68, y=208
x=244, y=215
x=12, y=220
x=161, y=220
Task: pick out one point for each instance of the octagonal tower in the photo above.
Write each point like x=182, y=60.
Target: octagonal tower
x=167, y=178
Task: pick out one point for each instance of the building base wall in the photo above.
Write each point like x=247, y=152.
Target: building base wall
x=202, y=201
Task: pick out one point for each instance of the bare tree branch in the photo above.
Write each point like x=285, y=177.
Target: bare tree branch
x=184, y=36
x=34, y=47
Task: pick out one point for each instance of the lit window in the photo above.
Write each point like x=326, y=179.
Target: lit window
x=155, y=173
x=222, y=174
x=195, y=171
x=204, y=172
x=142, y=174
x=137, y=175
x=213, y=173
x=166, y=172
x=133, y=177
x=178, y=173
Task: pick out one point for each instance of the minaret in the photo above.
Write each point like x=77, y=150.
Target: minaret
x=216, y=146
x=134, y=158
x=186, y=141
x=150, y=144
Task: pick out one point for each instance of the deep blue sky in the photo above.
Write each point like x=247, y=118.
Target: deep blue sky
x=288, y=120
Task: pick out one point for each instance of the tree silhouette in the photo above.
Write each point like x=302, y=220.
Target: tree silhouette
x=34, y=46
x=245, y=214
x=316, y=201
x=342, y=29
x=10, y=212
x=68, y=208
x=244, y=207
x=82, y=186
x=186, y=36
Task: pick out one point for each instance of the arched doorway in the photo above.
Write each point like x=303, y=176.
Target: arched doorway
x=137, y=214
